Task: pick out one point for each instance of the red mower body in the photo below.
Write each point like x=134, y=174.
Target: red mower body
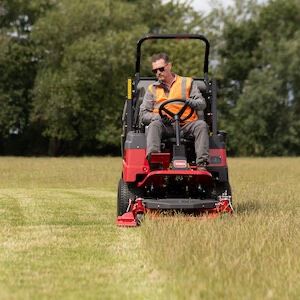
x=148, y=186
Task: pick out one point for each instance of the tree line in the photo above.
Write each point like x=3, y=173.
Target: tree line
x=64, y=66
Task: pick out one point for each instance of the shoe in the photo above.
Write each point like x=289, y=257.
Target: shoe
x=148, y=157
x=202, y=167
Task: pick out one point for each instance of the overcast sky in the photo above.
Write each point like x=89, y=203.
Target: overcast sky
x=203, y=5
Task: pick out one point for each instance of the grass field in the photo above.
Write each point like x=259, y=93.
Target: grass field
x=58, y=238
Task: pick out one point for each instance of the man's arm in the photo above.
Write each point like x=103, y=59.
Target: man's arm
x=146, y=109
x=196, y=99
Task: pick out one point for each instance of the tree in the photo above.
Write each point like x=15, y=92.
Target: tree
x=64, y=66
x=86, y=54
x=15, y=84
x=18, y=65
x=258, y=59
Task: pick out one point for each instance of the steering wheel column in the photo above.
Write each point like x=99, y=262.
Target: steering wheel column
x=179, y=160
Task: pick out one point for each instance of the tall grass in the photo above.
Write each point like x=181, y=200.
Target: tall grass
x=58, y=238
x=251, y=255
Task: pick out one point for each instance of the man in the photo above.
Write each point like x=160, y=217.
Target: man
x=172, y=86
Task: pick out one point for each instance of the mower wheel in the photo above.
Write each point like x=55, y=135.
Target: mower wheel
x=140, y=218
x=222, y=188
x=125, y=192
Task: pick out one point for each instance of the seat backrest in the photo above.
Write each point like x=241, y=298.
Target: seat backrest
x=141, y=90
x=144, y=83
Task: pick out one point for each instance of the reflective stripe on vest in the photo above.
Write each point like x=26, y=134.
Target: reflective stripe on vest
x=153, y=91
x=183, y=88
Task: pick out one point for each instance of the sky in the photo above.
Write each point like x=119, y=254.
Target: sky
x=203, y=5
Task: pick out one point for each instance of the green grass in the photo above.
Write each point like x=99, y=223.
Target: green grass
x=58, y=238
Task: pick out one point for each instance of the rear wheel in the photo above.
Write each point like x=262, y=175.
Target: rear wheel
x=220, y=189
x=126, y=191
x=223, y=188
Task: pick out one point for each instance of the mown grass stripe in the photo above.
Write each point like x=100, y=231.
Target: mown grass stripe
x=65, y=244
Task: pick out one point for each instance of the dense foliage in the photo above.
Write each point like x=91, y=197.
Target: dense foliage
x=260, y=80
x=64, y=66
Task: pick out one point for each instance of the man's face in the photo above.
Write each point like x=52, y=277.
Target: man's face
x=161, y=69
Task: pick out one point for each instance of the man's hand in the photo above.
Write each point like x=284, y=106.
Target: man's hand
x=155, y=117
x=166, y=121
x=193, y=103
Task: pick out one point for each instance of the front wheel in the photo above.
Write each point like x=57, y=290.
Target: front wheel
x=126, y=191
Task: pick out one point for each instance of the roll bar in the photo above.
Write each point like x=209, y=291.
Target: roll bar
x=171, y=36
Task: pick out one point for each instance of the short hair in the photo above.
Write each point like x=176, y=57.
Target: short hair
x=159, y=56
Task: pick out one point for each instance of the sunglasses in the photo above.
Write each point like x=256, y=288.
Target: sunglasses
x=161, y=69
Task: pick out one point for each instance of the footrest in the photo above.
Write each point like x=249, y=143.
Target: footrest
x=163, y=158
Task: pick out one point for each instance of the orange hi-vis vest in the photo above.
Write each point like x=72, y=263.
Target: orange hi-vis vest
x=180, y=89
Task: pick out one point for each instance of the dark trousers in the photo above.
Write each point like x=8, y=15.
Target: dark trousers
x=198, y=129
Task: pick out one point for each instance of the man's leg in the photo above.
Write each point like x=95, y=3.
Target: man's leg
x=199, y=130
x=155, y=131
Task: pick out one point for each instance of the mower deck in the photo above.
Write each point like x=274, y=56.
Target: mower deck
x=174, y=203
x=209, y=208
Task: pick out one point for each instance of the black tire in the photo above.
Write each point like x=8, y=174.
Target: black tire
x=125, y=192
x=222, y=188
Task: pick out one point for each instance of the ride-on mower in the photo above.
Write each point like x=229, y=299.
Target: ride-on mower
x=169, y=180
